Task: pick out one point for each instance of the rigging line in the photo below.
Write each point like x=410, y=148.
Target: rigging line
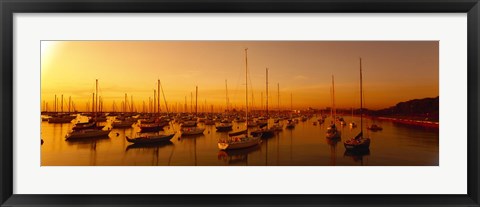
x=164, y=99
x=251, y=88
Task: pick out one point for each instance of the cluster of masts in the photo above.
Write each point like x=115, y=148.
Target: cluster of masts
x=154, y=105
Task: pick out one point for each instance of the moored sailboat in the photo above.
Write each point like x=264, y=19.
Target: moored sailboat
x=89, y=132
x=332, y=131
x=265, y=131
x=242, y=140
x=359, y=142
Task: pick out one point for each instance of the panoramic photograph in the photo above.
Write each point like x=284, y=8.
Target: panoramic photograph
x=239, y=103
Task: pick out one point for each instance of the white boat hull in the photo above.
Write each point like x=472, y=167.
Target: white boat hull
x=193, y=131
x=239, y=145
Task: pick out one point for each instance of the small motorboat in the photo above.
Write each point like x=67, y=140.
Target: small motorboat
x=82, y=126
x=150, y=127
x=277, y=127
x=332, y=132
x=352, y=125
x=374, y=127
x=189, y=124
x=209, y=122
x=223, y=127
x=192, y=131
x=264, y=133
x=290, y=124
x=122, y=124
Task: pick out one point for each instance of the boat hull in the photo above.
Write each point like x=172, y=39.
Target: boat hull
x=335, y=135
x=264, y=133
x=87, y=134
x=142, y=140
x=151, y=128
x=223, y=128
x=364, y=144
x=198, y=131
x=122, y=125
x=60, y=120
x=240, y=145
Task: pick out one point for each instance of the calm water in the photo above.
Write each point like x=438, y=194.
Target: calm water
x=396, y=145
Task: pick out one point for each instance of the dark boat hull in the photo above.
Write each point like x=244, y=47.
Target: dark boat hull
x=223, y=128
x=364, y=145
x=166, y=138
x=264, y=133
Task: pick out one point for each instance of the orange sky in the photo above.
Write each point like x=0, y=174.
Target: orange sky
x=393, y=71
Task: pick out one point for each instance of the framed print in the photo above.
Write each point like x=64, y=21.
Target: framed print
x=239, y=103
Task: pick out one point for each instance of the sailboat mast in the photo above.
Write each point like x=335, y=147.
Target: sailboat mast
x=361, y=99
x=246, y=87
x=291, y=102
x=331, y=102
x=158, y=96
x=226, y=94
x=154, y=101
x=267, y=89
x=278, y=97
x=125, y=104
x=196, y=99
x=164, y=99
x=96, y=96
x=333, y=98
x=334, y=107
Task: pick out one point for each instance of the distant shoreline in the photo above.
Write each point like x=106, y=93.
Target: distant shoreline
x=412, y=121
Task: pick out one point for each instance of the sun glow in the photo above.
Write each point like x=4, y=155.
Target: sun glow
x=47, y=49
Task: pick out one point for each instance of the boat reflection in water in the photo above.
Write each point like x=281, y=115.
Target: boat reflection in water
x=358, y=155
x=149, y=146
x=237, y=156
x=333, y=142
x=154, y=149
x=304, y=145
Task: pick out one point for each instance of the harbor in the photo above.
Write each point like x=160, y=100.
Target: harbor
x=339, y=119
x=305, y=145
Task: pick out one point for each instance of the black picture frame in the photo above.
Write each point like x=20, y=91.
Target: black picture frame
x=10, y=7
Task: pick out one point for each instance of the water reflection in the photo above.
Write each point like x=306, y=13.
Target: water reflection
x=358, y=156
x=304, y=145
x=237, y=156
x=333, y=150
